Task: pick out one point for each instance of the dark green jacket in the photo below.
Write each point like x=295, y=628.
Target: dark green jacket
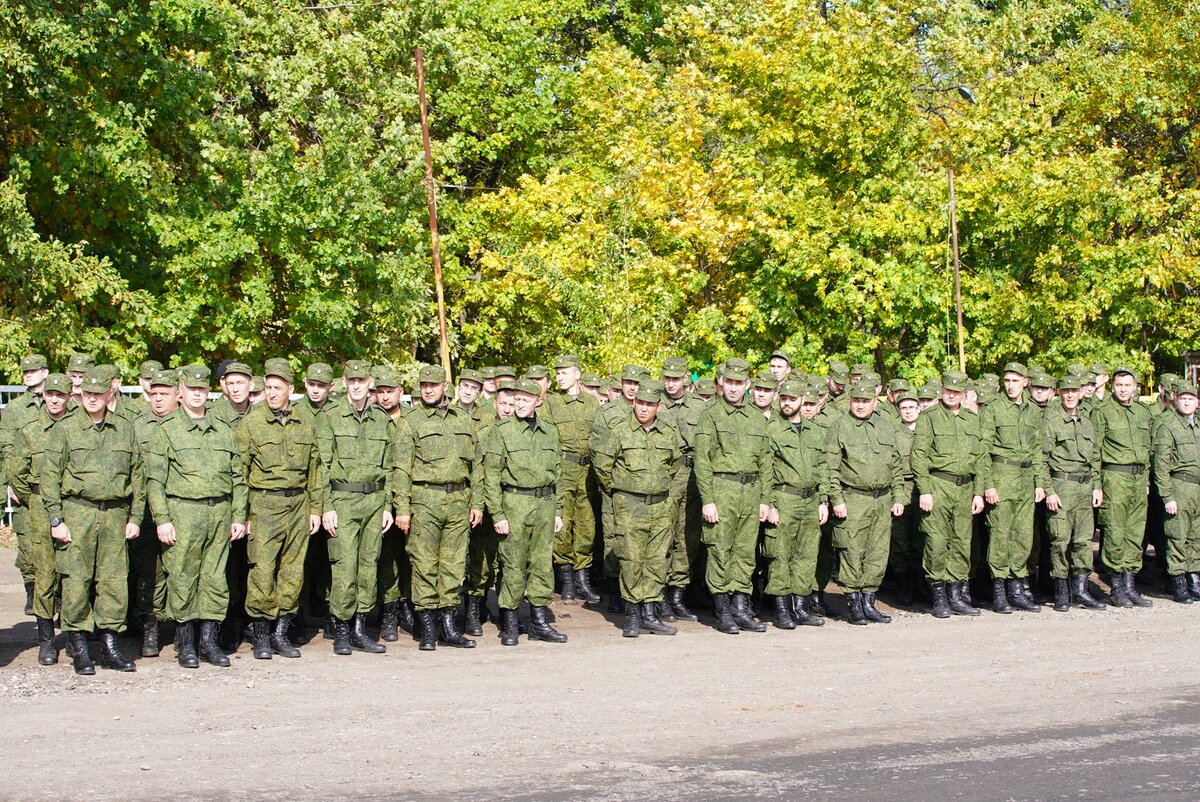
x=194, y=458
x=98, y=462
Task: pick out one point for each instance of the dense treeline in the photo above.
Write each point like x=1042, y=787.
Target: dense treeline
x=191, y=180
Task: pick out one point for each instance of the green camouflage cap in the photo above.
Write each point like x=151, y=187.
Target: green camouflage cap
x=734, y=372
x=58, y=383
x=470, y=375
x=872, y=377
x=906, y=395
x=195, y=376
x=1036, y=369
x=1077, y=369
x=1017, y=368
x=986, y=393
x=431, y=374
x=278, y=367
x=650, y=390
x=1070, y=382
x=386, y=376
x=1100, y=369
x=634, y=373
x=839, y=372
x=108, y=370
x=259, y=383
x=507, y=385
x=537, y=372
x=705, y=387
x=861, y=389
x=1126, y=370
x=990, y=378
x=505, y=370
x=1166, y=378
x=859, y=368
x=35, y=362
x=898, y=386
x=1184, y=387
x=488, y=371
x=1088, y=378
x=765, y=381
x=320, y=372
x=167, y=377
x=148, y=368
x=929, y=390
x=79, y=363
x=1042, y=380
x=239, y=367
x=567, y=361
x=737, y=363
x=96, y=380
x=356, y=369
x=526, y=386
x=674, y=367
x=784, y=355
x=793, y=388
x=591, y=380
x=955, y=380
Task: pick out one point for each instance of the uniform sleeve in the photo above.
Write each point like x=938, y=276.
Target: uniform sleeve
x=156, y=460
x=17, y=467
x=706, y=443
x=316, y=482
x=1164, y=460
x=324, y=440
x=55, y=463
x=833, y=465
x=918, y=458
x=987, y=436
x=245, y=446
x=1048, y=440
x=493, y=467
x=477, y=495
x=405, y=449
x=599, y=442
x=1099, y=418
x=604, y=454
x=137, y=480
x=774, y=456
x=766, y=472
x=901, y=490
x=1094, y=462
x=560, y=488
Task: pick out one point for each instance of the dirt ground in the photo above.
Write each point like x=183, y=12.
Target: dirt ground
x=601, y=717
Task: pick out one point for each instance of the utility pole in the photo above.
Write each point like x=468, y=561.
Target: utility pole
x=431, y=197
x=962, y=357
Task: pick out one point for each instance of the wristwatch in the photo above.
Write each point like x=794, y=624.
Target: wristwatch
x=55, y=521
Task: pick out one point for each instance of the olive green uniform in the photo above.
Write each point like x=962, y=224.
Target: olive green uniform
x=907, y=545
x=147, y=578
x=483, y=551
x=684, y=550
x=1012, y=463
x=798, y=484
x=945, y=455
x=1123, y=438
x=17, y=413
x=606, y=418
x=1177, y=476
x=196, y=481
x=221, y=409
x=395, y=572
x=573, y=416
x=1072, y=471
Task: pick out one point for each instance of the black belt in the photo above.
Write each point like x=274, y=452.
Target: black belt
x=288, y=493
x=445, y=487
x=356, y=487
x=210, y=501
x=883, y=491
x=1079, y=478
x=689, y=460
x=644, y=498
x=578, y=460
x=536, y=492
x=802, y=492
x=1193, y=480
x=949, y=477
x=110, y=504
x=1016, y=463
x=740, y=478
x=1133, y=469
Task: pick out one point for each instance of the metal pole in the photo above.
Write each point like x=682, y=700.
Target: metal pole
x=962, y=357
x=431, y=197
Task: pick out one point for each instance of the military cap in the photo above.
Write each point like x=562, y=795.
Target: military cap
x=986, y=393
x=431, y=374
x=79, y=363
x=242, y=368
x=1100, y=369
x=1077, y=369
x=1126, y=370
x=537, y=372
x=634, y=373
x=95, y=381
x=505, y=370
x=507, y=385
x=955, y=380
x=277, y=367
x=705, y=387
x=470, y=375
x=784, y=355
x=34, y=362
x=591, y=380
x=861, y=389
x=736, y=372
x=108, y=370
x=989, y=377
x=839, y=372
x=650, y=390
x=386, y=376
x=567, y=361
x=1167, y=377
x=1017, y=368
x=675, y=367
x=898, y=386
x=194, y=376
x=872, y=377
x=148, y=368
x=258, y=383
x=737, y=363
x=929, y=390
x=906, y=395
x=859, y=368
x=794, y=388
x=526, y=386
x=320, y=372
x=1185, y=387
x=166, y=377
x=57, y=382
x=356, y=369
x=1042, y=380
x=1070, y=382
x=765, y=381
x=488, y=371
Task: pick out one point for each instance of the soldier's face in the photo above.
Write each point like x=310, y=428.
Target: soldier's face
x=862, y=407
x=432, y=392
x=94, y=402
x=357, y=390
x=927, y=403
x=489, y=386
x=76, y=378
x=674, y=386
x=909, y=410
x=1042, y=395
x=629, y=389
x=1014, y=385
x=810, y=409
x=388, y=398
x=194, y=398
x=1070, y=399
x=1124, y=388
x=566, y=377
x=594, y=392
x=35, y=378
x=779, y=368
x=734, y=390
x=164, y=399
x=505, y=404
x=1186, y=404
x=789, y=405
x=277, y=392
x=1088, y=390
x=763, y=397
x=645, y=411
x=544, y=383
x=835, y=388
x=56, y=402
x=237, y=387
x=525, y=403
x=317, y=391
x=468, y=391
x=953, y=398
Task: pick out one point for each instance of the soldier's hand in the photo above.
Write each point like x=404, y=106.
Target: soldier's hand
x=62, y=534
x=991, y=496
x=773, y=517
x=898, y=510
x=1039, y=495
x=1171, y=508
x=1097, y=497
x=403, y=521
x=557, y=524
x=476, y=518
x=329, y=521
x=166, y=533
x=976, y=505
x=132, y=531
x=1053, y=502
x=314, y=524
x=237, y=531
x=709, y=513
x=501, y=527
x=822, y=513
x=388, y=520
x=926, y=502
x=764, y=512
x=839, y=511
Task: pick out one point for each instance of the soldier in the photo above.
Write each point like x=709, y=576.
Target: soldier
x=94, y=495
x=1177, y=476
x=1072, y=477
x=524, y=491
x=318, y=384
x=907, y=544
x=540, y=374
x=682, y=410
x=1009, y=473
x=314, y=595
x=395, y=572
x=590, y=383
x=762, y=393
x=928, y=396
x=836, y=379
x=572, y=412
x=234, y=403
x=705, y=389
x=945, y=455
x=196, y=485
x=483, y=551
x=283, y=471
x=866, y=490
x=1100, y=371
x=146, y=373
x=798, y=505
x=733, y=477
x=1122, y=428
x=77, y=367
x=25, y=468
x=17, y=413
x=466, y=395
x=433, y=506
x=779, y=365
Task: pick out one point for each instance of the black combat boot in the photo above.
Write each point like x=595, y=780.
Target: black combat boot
x=473, y=625
x=1027, y=592
x=801, y=615
x=81, y=658
x=742, y=615
x=1062, y=595
x=428, y=633
x=231, y=632
x=1179, y=589
x=566, y=582
x=279, y=638
x=150, y=636
x=1131, y=592
x=260, y=631
x=509, y=632
x=633, y=620
x=817, y=605
x=783, y=613
x=1017, y=598
x=1000, y=597
x=210, y=649
x=540, y=629
x=904, y=590
x=1118, y=596
x=725, y=622
x=583, y=587
x=450, y=633
x=958, y=601
x=964, y=594
x=298, y=628
x=360, y=639
x=110, y=653
x=941, y=604
x=47, y=654
x=665, y=613
x=675, y=597
x=868, y=608
x=341, y=637
x=854, y=609
x=185, y=644
x=651, y=622
x=28, y=598
x=1081, y=595
x=404, y=617
x=329, y=631
x=615, y=603
x=389, y=621
x=1193, y=584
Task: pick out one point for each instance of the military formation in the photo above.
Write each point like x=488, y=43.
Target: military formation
x=267, y=508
